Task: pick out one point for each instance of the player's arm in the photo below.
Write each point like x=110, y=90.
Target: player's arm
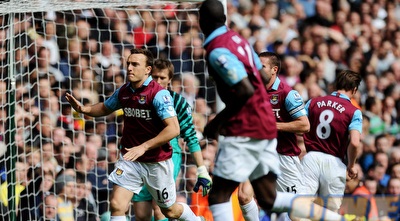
x=299, y=125
x=95, y=110
x=239, y=88
x=355, y=129
x=295, y=106
x=188, y=132
x=170, y=131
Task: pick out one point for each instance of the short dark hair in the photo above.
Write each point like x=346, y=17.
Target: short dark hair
x=274, y=59
x=347, y=80
x=146, y=52
x=161, y=64
x=369, y=102
x=212, y=16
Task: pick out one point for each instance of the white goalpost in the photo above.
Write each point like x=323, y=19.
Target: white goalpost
x=49, y=47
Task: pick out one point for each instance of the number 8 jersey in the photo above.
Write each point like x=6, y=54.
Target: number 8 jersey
x=331, y=118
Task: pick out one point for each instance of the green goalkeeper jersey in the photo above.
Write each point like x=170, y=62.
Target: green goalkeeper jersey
x=188, y=132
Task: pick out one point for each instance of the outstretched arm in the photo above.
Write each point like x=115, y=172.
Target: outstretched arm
x=95, y=110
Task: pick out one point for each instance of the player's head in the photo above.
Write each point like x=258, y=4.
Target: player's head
x=163, y=71
x=149, y=56
x=212, y=16
x=271, y=65
x=348, y=80
x=139, y=66
x=273, y=60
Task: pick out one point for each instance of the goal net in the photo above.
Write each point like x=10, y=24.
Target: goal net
x=50, y=47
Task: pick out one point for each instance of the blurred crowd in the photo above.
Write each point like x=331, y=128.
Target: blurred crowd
x=64, y=157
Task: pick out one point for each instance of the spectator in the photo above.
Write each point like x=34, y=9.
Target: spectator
x=50, y=42
x=377, y=172
x=160, y=42
x=290, y=70
x=395, y=171
x=45, y=69
x=179, y=55
x=394, y=190
x=359, y=188
x=21, y=177
x=394, y=186
x=373, y=110
x=66, y=190
x=83, y=210
x=107, y=56
x=48, y=210
x=394, y=156
x=190, y=88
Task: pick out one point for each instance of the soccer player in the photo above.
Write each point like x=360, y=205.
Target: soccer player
x=334, y=137
x=288, y=107
x=247, y=124
x=150, y=122
x=162, y=72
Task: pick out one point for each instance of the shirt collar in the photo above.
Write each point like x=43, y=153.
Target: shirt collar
x=145, y=83
x=217, y=32
x=275, y=85
x=340, y=95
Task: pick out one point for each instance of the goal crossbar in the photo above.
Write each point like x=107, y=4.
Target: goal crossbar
x=23, y=6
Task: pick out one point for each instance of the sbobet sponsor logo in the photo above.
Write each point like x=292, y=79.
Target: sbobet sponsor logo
x=359, y=207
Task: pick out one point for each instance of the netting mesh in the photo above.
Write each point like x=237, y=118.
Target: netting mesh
x=80, y=47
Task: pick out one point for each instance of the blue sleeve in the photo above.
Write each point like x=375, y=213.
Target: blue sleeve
x=228, y=66
x=164, y=105
x=112, y=103
x=294, y=105
x=257, y=60
x=356, y=121
x=307, y=106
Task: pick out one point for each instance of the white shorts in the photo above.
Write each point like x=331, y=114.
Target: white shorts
x=157, y=177
x=242, y=158
x=325, y=175
x=291, y=178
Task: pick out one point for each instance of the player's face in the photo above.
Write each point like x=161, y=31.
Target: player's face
x=138, y=71
x=161, y=77
x=268, y=69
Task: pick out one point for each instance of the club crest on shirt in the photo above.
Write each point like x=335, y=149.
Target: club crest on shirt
x=142, y=99
x=274, y=99
x=119, y=172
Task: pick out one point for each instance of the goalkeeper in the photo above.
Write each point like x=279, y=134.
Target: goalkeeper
x=162, y=73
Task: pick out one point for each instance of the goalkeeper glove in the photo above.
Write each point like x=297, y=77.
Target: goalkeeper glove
x=203, y=179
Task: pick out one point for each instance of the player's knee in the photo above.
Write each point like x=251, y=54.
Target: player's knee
x=142, y=216
x=116, y=207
